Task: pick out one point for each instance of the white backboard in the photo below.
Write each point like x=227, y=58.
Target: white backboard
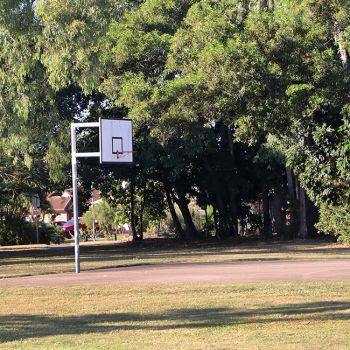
x=116, y=141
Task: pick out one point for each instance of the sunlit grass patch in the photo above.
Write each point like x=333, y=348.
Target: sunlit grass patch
x=252, y=316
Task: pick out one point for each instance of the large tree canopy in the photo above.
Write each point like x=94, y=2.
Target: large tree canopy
x=234, y=102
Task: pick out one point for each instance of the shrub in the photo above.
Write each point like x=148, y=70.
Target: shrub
x=335, y=220
x=108, y=218
x=15, y=231
x=49, y=234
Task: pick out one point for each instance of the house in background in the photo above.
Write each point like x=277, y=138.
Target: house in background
x=61, y=207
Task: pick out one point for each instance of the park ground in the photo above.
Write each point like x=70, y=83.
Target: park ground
x=197, y=315
x=42, y=259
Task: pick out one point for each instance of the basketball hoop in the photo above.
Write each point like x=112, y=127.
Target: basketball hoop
x=116, y=141
x=115, y=147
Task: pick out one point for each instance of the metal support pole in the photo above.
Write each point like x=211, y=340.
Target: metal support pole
x=93, y=213
x=75, y=155
x=37, y=231
x=75, y=199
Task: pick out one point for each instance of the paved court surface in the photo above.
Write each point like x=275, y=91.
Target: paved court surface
x=234, y=272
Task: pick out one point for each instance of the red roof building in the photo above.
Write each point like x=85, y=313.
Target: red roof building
x=61, y=207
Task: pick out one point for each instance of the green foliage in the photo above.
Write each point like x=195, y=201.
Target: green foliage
x=107, y=217
x=224, y=94
x=26, y=99
x=58, y=162
x=15, y=230
x=49, y=233
x=335, y=220
x=72, y=39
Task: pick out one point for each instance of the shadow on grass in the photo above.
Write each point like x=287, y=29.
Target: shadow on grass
x=156, y=252
x=120, y=253
x=20, y=327
x=163, y=248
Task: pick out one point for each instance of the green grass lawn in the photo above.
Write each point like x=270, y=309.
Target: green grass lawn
x=42, y=260
x=252, y=316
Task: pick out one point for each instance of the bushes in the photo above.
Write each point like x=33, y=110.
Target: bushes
x=14, y=231
x=335, y=220
x=49, y=234
x=108, y=218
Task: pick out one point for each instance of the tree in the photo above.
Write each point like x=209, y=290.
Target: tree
x=208, y=85
x=107, y=217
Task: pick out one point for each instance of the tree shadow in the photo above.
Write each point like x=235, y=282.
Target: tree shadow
x=122, y=255
x=105, y=256
x=176, y=249
x=15, y=327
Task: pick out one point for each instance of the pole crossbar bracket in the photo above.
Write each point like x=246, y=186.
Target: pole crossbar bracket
x=87, y=154
x=86, y=125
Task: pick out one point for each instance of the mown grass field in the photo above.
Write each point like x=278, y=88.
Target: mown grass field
x=55, y=259
x=252, y=316
x=279, y=315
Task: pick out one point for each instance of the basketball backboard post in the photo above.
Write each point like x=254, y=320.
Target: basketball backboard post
x=75, y=198
x=115, y=147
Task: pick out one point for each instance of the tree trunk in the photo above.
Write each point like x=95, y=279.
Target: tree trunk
x=207, y=231
x=222, y=214
x=142, y=206
x=291, y=187
x=132, y=210
x=232, y=192
x=223, y=222
x=191, y=231
x=339, y=39
x=303, y=231
x=267, y=228
x=278, y=217
x=233, y=210
x=312, y=217
x=263, y=4
x=215, y=215
x=292, y=190
x=178, y=228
